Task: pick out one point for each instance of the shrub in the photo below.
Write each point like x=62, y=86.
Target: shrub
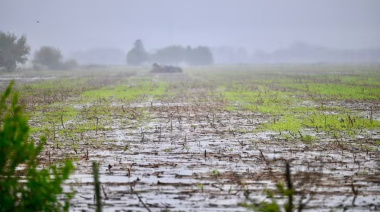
x=23, y=185
x=49, y=57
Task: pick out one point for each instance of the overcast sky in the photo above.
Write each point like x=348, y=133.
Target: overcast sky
x=73, y=25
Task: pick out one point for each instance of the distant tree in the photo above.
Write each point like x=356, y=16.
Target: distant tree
x=70, y=64
x=137, y=55
x=170, y=55
x=13, y=50
x=49, y=57
x=199, y=56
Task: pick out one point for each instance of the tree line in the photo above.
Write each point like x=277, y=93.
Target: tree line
x=174, y=54
x=14, y=50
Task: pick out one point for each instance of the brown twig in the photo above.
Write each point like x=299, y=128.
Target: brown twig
x=104, y=192
x=140, y=200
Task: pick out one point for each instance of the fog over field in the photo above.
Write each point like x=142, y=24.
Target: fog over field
x=190, y=105
x=237, y=31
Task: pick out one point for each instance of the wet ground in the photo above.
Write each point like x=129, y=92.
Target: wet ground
x=187, y=153
x=183, y=158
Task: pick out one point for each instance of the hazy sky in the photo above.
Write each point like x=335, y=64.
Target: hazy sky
x=73, y=25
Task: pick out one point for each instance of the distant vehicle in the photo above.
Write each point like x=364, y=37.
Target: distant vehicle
x=165, y=69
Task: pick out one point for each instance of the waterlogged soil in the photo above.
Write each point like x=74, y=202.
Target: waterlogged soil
x=196, y=156
x=187, y=152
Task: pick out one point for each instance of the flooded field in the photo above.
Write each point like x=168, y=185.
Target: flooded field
x=213, y=139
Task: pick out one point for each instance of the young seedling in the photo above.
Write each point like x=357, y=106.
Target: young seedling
x=355, y=192
x=142, y=134
x=53, y=126
x=62, y=121
x=97, y=196
x=129, y=170
x=104, y=193
x=96, y=127
x=87, y=158
x=159, y=136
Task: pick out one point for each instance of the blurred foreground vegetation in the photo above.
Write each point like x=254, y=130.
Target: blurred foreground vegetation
x=24, y=184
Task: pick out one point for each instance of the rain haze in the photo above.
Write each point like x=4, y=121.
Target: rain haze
x=247, y=25
x=190, y=105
